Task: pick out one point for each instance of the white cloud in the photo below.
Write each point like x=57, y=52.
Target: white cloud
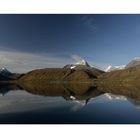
x=77, y=58
x=24, y=62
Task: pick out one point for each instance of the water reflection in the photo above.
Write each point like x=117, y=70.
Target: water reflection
x=84, y=92
x=80, y=93
x=69, y=103
x=5, y=88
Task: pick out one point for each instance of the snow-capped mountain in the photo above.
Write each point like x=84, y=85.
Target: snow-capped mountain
x=80, y=64
x=5, y=72
x=134, y=63
x=7, y=75
x=112, y=68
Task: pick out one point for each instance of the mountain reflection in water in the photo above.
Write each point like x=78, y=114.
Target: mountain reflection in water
x=86, y=99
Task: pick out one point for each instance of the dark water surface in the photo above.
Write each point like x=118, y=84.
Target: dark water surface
x=68, y=104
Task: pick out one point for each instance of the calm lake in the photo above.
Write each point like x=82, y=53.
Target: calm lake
x=68, y=104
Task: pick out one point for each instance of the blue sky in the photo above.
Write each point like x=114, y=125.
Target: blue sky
x=36, y=41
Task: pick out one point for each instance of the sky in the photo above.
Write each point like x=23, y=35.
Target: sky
x=37, y=41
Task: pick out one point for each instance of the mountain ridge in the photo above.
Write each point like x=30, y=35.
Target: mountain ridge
x=78, y=72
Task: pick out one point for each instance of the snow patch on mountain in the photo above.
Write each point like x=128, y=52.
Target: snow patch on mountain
x=79, y=63
x=5, y=72
x=136, y=58
x=3, y=69
x=72, y=67
x=135, y=62
x=78, y=104
x=112, y=68
x=108, y=68
x=115, y=97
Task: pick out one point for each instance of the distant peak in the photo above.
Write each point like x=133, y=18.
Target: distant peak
x=3, y=69
x=136, y=58
x=135, y=62
x=79, y=60
x=112, y=68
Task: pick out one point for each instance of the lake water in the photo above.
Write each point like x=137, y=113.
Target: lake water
x=60, y=104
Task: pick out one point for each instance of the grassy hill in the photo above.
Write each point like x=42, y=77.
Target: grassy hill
x=61, y=74
x=130, y=76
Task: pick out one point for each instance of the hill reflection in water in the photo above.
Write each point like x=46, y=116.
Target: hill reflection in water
x=79, y=92
x=69, y=103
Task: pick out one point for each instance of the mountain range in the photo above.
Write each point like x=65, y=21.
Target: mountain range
x=122, y=81
x=112, y=68
x=133, y=63
x=80, y=71
x=7, y=75
x=82, y=64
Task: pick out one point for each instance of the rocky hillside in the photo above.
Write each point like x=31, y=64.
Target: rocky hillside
x=134, y=63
